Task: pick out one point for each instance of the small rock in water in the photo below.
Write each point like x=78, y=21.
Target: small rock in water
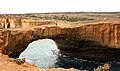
x=72, y=68
x=105, y=67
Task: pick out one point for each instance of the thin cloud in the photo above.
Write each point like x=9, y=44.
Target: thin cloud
x=40, y=6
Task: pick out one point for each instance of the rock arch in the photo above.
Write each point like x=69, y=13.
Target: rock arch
x=84, y=41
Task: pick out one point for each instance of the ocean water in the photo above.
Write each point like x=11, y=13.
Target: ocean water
x=44, y=53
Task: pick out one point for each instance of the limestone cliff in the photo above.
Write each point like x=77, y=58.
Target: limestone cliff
x=80, y=41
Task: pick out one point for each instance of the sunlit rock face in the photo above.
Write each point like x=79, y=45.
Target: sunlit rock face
x=42, y=53
x=69, y=39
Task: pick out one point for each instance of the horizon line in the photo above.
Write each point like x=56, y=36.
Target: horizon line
x=64, y=12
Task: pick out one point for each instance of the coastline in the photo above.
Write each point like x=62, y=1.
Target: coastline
x=8, y=64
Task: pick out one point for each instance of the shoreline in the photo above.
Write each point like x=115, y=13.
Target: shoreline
x=9, y=64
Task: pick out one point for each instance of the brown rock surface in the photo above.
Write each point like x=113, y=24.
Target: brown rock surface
x=94, y=40
x=68, y=37
x=8, y=64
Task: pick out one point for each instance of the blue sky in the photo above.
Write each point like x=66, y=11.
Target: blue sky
x=41, y=6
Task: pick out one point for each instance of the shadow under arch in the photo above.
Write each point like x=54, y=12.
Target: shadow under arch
x=81, y=48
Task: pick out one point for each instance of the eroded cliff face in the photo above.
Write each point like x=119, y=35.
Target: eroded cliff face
x=15, y=41
x=80, y=41
x=23, y=23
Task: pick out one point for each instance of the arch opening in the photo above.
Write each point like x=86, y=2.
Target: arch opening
x=43, y=53
x=80, y=47
x=48, y=58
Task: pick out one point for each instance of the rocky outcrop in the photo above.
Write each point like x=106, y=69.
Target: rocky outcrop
x=15, y=41
x=23, y=23
x=90, y=41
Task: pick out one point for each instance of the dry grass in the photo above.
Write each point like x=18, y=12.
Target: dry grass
x=68, y=16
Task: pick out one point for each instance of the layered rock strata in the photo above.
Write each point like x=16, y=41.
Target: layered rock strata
x=98, y=41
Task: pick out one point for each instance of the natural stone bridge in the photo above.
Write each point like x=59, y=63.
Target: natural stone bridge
x=98, y=41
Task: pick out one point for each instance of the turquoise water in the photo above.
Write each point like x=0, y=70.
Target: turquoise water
x=44, y=53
